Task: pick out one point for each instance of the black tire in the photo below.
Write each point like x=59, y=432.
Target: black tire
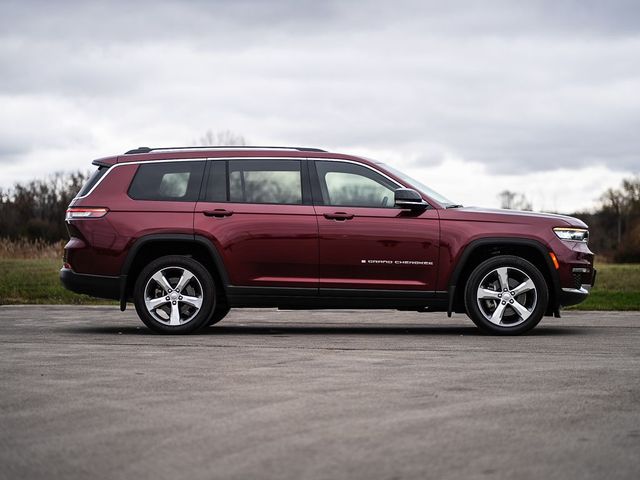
x=174, y=314
x=495, y=310
x=219, y=313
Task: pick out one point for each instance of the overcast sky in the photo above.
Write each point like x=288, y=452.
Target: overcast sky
x=472, y=97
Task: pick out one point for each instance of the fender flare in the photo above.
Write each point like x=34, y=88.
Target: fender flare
x=169, y=237
x=527, y=242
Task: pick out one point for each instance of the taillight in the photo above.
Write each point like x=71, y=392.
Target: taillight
x=78, y=212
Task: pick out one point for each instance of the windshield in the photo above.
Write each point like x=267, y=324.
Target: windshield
x=421, y=186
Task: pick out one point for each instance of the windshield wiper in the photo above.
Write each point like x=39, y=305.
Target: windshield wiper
x=454, y=206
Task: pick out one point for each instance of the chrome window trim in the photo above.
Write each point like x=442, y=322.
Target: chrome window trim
x=399, y=185
x=204, y=159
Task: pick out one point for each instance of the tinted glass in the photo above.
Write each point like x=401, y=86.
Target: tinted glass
x=265, y=181
x=169, y=181
x=347, y=184
x=93, y=179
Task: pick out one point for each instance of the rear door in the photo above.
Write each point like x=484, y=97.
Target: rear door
x=259, y=214
x=365, y=241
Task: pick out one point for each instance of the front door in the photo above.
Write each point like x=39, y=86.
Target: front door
x=258, y=214
x=365, y=241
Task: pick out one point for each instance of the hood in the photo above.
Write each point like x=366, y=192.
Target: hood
x=519, y=216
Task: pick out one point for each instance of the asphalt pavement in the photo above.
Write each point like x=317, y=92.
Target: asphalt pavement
x=89, y=392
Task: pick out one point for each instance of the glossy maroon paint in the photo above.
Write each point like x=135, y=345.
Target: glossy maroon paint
x=461, y=226
x=379, y=248
x=263, y=245
x=107, y=240
x=295, y=245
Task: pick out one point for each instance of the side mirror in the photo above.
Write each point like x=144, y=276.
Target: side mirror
x=408, y=198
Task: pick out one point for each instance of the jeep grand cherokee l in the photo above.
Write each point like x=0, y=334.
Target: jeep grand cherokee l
x=189, y=233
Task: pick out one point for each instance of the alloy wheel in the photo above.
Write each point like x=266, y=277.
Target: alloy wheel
x=173, y=296
x=506, y=296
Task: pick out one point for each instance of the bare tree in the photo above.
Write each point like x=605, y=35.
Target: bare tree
x=514, y=201
x=222, y=137
x=614, y=200
x=35, y=209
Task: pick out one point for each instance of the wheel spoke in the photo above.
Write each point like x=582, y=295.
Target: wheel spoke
x=194, y=301
x=162, y=281
x=174, y=321
x=524, y=287
x=153, y=303
x=497, y=314
x=503, y=275
x=184, y=279
x=486, y=294
x=520, y=309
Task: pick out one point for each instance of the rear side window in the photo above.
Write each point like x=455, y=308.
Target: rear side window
x=169, y=181
x=93, y=180
x=265, y=181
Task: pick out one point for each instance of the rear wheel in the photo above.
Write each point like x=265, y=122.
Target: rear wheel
x=506, y=295
x=174, y=294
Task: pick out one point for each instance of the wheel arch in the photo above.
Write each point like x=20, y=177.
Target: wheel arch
x=152, y=246
x=479, y=250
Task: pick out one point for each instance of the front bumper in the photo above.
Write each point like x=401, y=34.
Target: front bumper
x=574, y=296
x=94, y=285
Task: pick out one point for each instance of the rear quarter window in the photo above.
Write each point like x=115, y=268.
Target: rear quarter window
x=168, y=181
x=93, y=180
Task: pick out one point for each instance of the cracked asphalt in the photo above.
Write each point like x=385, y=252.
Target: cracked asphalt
x=89, y=392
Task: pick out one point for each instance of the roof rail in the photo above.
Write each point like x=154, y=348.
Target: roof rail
x=223, y=147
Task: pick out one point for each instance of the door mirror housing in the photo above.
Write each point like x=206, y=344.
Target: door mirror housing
x=408, y=198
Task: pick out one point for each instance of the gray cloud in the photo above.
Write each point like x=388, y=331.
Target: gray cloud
x=519, y=87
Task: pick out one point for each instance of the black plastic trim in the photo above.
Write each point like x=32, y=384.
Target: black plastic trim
x=418, y=294
x=95, y=285
x=312, y=298
x=170, y=237
x=271, y=291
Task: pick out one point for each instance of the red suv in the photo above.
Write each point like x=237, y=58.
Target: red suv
x=188, y=233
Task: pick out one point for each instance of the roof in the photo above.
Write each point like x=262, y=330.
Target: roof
x=143, y=154
x=220, y=147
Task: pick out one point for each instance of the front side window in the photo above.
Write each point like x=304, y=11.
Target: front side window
x=348, y=184
x=265, y=181
x=169, y=181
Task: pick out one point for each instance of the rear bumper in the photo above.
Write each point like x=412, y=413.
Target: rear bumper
x=94, y=285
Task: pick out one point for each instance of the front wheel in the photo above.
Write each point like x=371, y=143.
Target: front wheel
x=174, y=294
x=506, y=295
x=218, y=314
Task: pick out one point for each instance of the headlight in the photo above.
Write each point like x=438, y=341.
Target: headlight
x=572, y=234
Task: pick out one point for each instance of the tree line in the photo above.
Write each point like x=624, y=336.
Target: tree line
x=35, y=210
x=615, y=226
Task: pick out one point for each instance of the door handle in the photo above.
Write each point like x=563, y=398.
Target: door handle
x=340, y=216
x=218, y=212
